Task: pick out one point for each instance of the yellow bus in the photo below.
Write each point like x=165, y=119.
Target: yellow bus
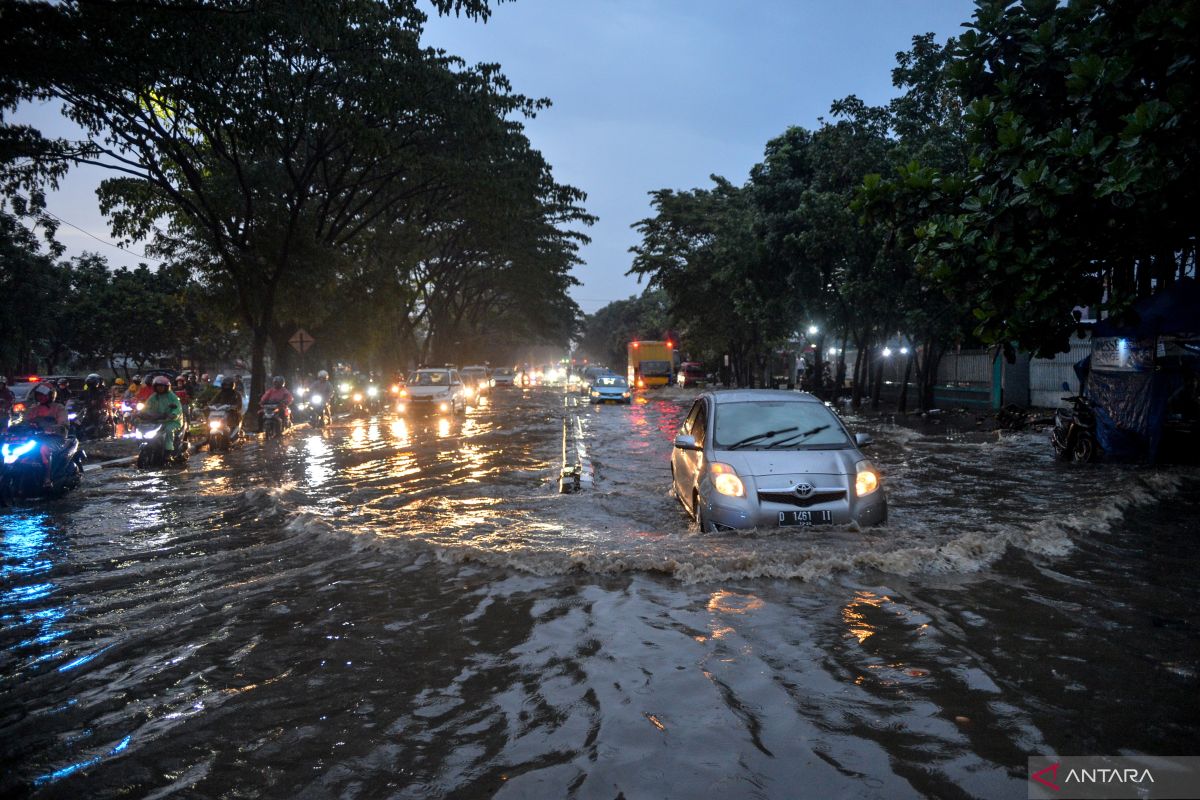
x=650, y=363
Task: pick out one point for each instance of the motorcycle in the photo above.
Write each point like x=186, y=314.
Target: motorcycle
x=94, y=422
x=21, y=469
x=320, y=413
x=153, y=452
x=273, y=416
x=224, y=428
x=1074, y=434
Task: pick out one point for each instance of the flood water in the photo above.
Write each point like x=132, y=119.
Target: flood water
x=410, y=609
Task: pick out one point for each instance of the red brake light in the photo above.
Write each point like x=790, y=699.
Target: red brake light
x=19, y=407
x=635, y=344
x=34, y=379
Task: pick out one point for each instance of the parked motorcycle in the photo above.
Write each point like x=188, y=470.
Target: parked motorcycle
x=1074, y=434
x=272, y=420
x=224, y=427
x=153, y=452
x=21, y=469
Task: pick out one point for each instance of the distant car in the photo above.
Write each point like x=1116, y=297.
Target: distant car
x=503, y=376
x=770, y=459
x=435, y=391
x=476, y=378
x=589, y=374
x=22, y=398
x=691, y=373
x=610, y=389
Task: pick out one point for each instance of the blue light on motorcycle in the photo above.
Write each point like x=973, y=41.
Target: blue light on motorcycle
x=11, y=453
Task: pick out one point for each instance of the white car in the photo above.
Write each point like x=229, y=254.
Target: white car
x=503, y=376
x=435, y=391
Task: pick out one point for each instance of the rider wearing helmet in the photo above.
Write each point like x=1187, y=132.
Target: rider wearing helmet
x=164, y=406
x=64, y=391
x=278, y=393
x=51, y=418
x=323, y=388
x=131, y=393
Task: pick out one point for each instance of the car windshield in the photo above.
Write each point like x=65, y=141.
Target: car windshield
x=611, y=380
x=776, y=424
x=429, y=379
x=503, y=371
x=474, y=373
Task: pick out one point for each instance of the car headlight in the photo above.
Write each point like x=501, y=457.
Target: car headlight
x=372, y=391
x=866, y=479
x=624, y=394
x=595, y=393
x=726, y=481
x=358, y=397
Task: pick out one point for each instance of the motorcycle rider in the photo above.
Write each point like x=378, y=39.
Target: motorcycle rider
x=278, y=393
x=229, y=393
x=324, y=388
x=7, y=401
x=164, y=406
x=131, y=393
x=64, y=391
x=51, y=419
x=94, y=399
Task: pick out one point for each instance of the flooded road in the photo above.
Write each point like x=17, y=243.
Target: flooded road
x=410, y=609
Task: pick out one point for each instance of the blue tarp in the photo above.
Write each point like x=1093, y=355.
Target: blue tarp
x=1132, y=377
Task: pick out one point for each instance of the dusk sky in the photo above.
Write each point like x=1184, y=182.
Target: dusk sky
x=647, y=94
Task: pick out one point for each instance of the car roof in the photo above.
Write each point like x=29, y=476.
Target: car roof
x=435, y=369
x=753, y=395
x=473, y=367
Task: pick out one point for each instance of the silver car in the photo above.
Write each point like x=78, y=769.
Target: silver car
x=766, y=458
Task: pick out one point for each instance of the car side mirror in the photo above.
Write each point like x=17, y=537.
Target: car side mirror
x=685, y=442
x=863, y=439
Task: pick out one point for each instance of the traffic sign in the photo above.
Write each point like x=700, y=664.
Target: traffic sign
x=301, y=341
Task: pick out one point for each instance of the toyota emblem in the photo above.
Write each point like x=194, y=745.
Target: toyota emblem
x=804, y=489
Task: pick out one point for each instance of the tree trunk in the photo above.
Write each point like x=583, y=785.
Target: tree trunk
x=258, y=371
x=902, y=405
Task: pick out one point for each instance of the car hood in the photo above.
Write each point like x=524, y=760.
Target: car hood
x=427, y=391
x=760, y=463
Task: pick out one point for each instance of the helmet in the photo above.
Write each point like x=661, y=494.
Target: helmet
x=119, y=382
x=136, y=379
x=323, y=375
x=204, y=377
x=278, y=381
x=63, y=383
x=44, y=390
x=162, y=380
x=92, y=378
x=3, y=381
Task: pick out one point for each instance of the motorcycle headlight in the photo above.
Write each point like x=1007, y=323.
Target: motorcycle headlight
x=214, y=426
x=866, y=480
x=141, y=406
x=317, y=399
x=72, y=415
x=358, y=397
x=726, y=481
x=345, y=388
x=372, y=391
x=11, y=453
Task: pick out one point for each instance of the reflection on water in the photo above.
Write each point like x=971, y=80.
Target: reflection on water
x=854, y=617
x=318, y=461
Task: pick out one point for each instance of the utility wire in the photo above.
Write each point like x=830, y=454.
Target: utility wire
x=103, y=241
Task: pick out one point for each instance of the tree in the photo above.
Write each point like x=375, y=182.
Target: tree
x=272, y=134
x=1083, y=176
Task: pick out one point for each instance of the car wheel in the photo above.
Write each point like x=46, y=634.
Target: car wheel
x=701, y=516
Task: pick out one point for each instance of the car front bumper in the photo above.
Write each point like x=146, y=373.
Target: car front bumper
x=752, y=512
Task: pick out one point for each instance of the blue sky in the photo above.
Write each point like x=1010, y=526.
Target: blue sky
x=647, y=94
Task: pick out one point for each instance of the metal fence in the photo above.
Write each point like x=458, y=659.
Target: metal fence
x=1046, y=375
x=967, y=368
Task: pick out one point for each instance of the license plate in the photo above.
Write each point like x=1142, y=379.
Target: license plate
x=805, y=518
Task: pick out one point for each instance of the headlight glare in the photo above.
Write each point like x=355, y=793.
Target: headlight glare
x=726, y=481
x=866, y=479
